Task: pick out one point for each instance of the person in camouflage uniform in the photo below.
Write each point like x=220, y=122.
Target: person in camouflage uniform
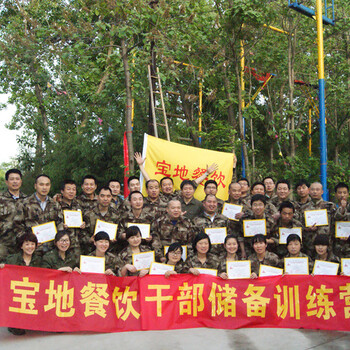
x=172, y=227
x=115, y=187
x=231, y=253
x=341, y=246
x=88, y=199
x=38, y=209
x=323, y=250
x=174, y=257
x=317, y=203
x=201, y=258
x=124, y=258
x=61, y=258
x=103, y=211
x=258, y=202
x=68, y=202
x=133, y=185
x=102, y=243
x=138, y=215
x=259, y=188
x=8, y=209
x=153, y=200
x=245, y=187
x=302, y=190
x=286, y=220
x=189, y=205
x=209, y=218
x=211, y=187
x=269, y=183
x=167, y=190
x=261, y=256
x=26, y=252
x=294, y=250
x=234, y=197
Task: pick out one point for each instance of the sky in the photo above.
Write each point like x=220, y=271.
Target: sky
x=8, y=143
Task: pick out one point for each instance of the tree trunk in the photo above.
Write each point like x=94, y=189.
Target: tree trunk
x=40, y=131
x=291, y=77
x=230, y=111
x=128, y=122
x=153, y=72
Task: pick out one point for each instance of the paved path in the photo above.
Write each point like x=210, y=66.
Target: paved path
x=193, y=339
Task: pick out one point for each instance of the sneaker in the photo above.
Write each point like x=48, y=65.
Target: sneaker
x=17, y=331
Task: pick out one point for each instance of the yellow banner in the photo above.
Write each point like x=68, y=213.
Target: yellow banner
x=181, y=162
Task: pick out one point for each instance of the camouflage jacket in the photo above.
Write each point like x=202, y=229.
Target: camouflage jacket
x=111, y=261
x=166, y=198
x=302, y=255
x=159, y=206
x=223, y=261
x=277, y=202
x=52, y=260
x=17, y=259
x=270, y=224
x=342, y=247
x=212, y=262
x=281, y=249
x=270, y=259
x=8, y=195
x=29, y=214
x=87, y=203
x=74, y=233
x=168, y=232
x=125, y=257
x=8, y=210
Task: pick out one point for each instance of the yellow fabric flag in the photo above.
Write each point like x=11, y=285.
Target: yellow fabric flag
x=181, y=162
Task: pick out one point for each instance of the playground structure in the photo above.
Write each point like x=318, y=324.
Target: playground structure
x=320, y=19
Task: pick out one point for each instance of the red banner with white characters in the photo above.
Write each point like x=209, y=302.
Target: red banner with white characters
x=51, y=300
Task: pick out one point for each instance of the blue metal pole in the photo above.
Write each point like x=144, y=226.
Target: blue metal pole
x=321, y=94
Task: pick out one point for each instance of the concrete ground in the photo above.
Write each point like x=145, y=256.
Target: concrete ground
x=193, y=339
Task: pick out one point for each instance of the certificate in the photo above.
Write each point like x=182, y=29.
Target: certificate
x=45, y=232
x=285, y=232
x=73, y=218
x=296, y=266
x=107, y=227
x=345, y=266
x=211, y=272
x=144, y=228
x=238, y=269
x=265, y=270
x=160, y=269
x=143, y=260
x=254, y=227
x=184, y=251
x=93, y=264
x=325, y=268
x=316, y=217
x=230, y=210
x=217, y=234
x=342, y=229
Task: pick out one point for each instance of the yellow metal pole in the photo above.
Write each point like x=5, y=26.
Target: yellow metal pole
x=310, y=123
x=278, y=30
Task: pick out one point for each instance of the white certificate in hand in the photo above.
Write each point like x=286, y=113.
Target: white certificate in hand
x=325, y=268
x=93, y=264
x=254, y=227
x=144, y=228
x=238, y=269
x=345, y=266
x=143, y=260
x=342, y=229
x=211, y=272
x=296, y=266
x=265, y=271
x=316, y=217
x=230, y=210
x=216, y=234
x=160, y=269
x=45, y=232
x=184, y=251
x=73, y=218
x=285, y=232
x=107, y=227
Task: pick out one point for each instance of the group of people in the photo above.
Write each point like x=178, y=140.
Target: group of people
x=176, y=221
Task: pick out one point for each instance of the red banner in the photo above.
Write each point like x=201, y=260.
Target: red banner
x=51, y=300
